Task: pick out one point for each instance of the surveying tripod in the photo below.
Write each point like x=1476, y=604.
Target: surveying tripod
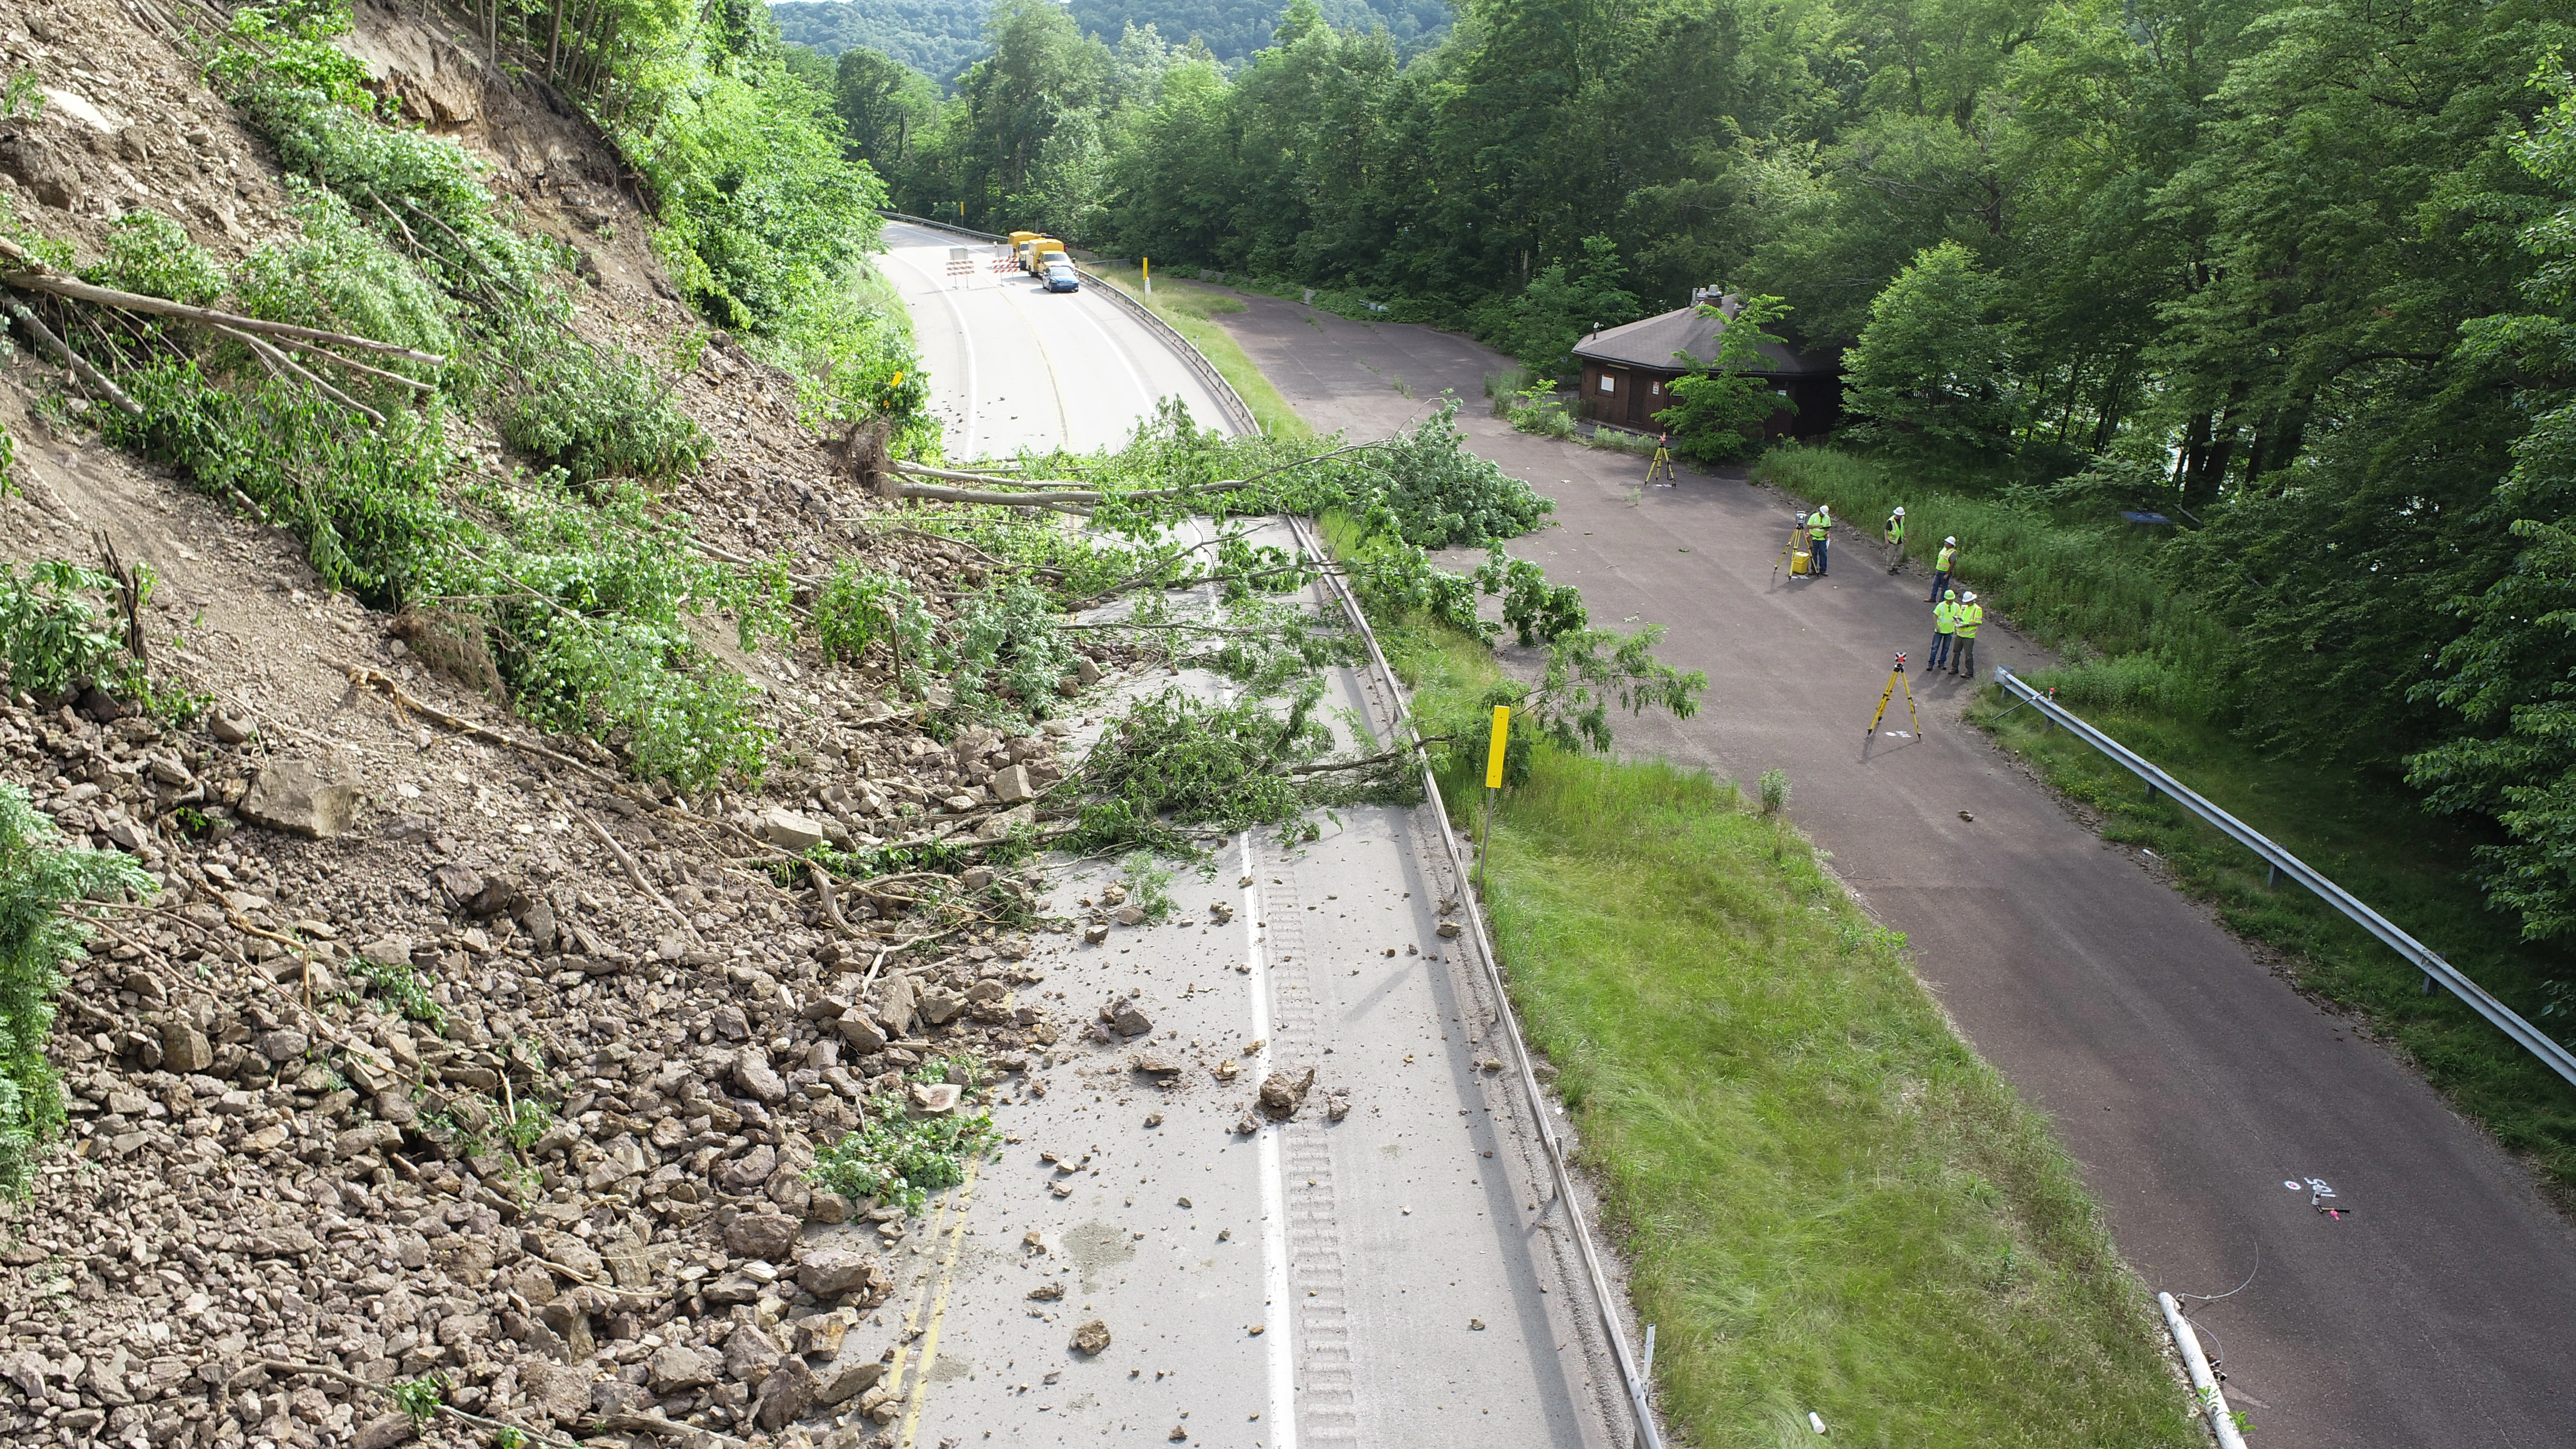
x=1662, y=466
x=1895, y=678
x=1797, y=535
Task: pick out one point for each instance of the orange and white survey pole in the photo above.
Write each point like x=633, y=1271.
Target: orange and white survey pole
x=1493, y=781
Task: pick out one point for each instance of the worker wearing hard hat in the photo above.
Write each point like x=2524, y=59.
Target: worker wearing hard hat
x=1896, y=538
x=1963, y=660
x=1818, y=523
x=1941, y=568
x=1945, y=626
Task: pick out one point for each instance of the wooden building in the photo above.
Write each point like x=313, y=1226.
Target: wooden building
x=1628, y=372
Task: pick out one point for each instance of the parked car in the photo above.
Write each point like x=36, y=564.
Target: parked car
x=1063, y=278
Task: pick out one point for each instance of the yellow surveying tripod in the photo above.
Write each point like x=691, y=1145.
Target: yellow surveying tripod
x=1662, y=466
x=1895, y=678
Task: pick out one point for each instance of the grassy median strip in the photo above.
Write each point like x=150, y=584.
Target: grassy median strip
x=1830, y=1203
x=1190, y=308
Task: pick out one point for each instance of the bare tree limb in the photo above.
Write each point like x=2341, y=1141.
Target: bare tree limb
x=272, y=353
x=63, y=353
x=34, y=276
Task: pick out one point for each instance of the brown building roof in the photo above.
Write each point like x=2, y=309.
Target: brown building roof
x=1652, y=342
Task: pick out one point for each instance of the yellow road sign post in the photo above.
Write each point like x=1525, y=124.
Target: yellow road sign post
x=1494, y=752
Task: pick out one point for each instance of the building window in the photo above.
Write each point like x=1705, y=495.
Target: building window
x=1654, y=389
x=1609, y=383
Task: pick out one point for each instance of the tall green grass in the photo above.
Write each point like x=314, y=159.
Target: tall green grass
x=1829, y=1203
x=1190, y=309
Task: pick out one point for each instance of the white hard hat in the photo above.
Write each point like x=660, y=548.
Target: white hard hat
x=1969, y=598
x=1900, y=510
x=1954, y=538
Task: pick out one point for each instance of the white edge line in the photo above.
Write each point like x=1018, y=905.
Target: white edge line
x=965, y=343
x=1282, y=1412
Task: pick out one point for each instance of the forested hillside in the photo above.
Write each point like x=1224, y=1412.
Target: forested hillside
x=2293, y=274
x=938, y=37
x=935, y=37
x=1233, y=30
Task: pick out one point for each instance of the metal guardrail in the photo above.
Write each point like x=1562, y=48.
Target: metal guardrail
x=2436, y=970
x=1633, y=1377
x=941, y=225
x=1238, y=415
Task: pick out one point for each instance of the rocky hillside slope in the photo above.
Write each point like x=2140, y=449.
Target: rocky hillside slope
x=438, y=1053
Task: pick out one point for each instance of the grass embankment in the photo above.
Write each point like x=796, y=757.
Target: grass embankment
x=1830, y=1203
x=2150, y=678
x=1191, y=308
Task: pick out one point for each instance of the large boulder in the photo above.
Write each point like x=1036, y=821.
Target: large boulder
x=292, y=796
x=832, y=1272
x=678, y=1370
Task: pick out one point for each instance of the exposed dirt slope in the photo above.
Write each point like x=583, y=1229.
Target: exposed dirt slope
x=269, y=1165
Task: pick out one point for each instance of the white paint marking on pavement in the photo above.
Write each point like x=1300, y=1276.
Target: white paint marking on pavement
x=1142, y=391
x=965, y=343
x=1282, y=1413
x=1010, y=296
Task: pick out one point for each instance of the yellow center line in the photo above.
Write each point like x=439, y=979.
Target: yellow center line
x=912, y=1316
x=945, y=1279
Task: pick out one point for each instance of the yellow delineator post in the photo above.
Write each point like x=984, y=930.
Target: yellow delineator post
x=1148, y=264
x=1494, y=751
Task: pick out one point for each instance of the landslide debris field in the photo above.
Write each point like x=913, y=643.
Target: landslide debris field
x=411, y=1055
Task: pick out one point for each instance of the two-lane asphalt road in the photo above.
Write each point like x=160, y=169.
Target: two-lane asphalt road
x=1014, y=366
x=2199, y=1092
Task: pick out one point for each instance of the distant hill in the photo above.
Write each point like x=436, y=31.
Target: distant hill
x=939, y=37
x=935, y=37
x=1234, y=29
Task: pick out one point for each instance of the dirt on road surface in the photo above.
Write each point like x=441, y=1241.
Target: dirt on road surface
x=2208, y=1102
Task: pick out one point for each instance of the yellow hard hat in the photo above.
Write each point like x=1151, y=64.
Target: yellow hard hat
x=1952, y=594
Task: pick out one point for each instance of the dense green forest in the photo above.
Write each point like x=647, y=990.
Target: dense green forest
x=939, y=37
x=1233, y=30
x=2295, y=275
x=935, y=37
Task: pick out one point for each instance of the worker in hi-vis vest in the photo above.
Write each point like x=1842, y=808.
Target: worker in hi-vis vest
x=1963, y=659
x=1896, y=538
x=1817, y=523
x=1941, y=568
x=1945, y=624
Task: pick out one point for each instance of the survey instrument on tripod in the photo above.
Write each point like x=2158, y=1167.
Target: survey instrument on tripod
x=1660, y=471
x=1794, y=552
x=1895, y=680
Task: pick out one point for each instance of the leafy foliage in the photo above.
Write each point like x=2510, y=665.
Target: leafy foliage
x=900, y=1160
x=1174, y=762
x=40, y=880
x=149, y=253
x=1565, y=301
x=1723, y=408
x=1535, y=611
x=1931, y=370
x=55, y=639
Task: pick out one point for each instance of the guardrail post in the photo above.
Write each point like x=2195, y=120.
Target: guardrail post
x=2271, y=874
